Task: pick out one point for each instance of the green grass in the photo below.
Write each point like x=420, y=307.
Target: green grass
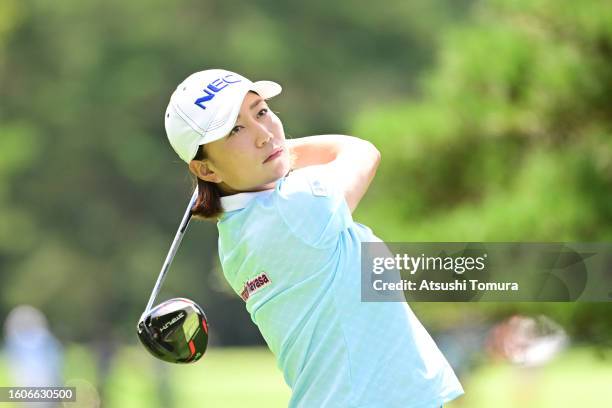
x=224, y=377
x=578, y=378
x=239, y=377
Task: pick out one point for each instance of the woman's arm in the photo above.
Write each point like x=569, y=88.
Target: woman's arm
x=351, y=161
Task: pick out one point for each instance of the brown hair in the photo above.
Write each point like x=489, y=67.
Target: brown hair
x=208, y=203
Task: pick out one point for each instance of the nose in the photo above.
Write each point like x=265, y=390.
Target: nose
x=263, y=136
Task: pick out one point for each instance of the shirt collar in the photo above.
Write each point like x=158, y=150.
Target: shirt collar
x=241, y=200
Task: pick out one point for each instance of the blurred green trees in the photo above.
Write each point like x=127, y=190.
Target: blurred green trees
x=510, y=141
x=494, y=121
x=511, y=138
x=91, y=192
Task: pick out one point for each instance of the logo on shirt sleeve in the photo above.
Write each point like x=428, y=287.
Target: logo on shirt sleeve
x=318, y=188
x=253, y=285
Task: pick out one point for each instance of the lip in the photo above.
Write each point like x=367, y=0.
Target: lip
x=275, y=153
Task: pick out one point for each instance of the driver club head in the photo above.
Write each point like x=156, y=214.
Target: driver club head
x=175, y=331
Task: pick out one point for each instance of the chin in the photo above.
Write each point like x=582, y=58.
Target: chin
x=282, y=168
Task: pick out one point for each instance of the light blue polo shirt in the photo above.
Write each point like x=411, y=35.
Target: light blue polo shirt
x=293, y=254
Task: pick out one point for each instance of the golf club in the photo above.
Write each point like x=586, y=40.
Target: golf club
x=175, y=330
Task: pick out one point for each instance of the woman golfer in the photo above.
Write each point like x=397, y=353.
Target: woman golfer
x=290, y=249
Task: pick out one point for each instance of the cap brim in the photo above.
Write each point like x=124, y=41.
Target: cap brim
x=266, y=89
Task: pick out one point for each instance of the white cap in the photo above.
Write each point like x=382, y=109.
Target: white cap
x=204, y=108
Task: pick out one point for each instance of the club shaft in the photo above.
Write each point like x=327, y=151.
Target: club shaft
x=173, y=248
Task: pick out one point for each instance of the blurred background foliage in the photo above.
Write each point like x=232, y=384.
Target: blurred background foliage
x=493, y=118
x=509, y=140
x=91, y=191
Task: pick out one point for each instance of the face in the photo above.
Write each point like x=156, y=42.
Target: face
x=252, y=157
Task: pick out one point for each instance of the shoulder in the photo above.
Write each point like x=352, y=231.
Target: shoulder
x=312, y=181
x=311, y=206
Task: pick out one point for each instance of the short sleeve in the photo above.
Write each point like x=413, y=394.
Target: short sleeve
x=313, y=207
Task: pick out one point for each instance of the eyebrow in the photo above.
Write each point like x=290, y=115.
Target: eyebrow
x=254, y=104
x=257, y=102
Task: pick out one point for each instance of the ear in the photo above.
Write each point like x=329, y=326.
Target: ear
x=201, y=169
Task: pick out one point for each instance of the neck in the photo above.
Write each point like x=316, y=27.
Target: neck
x=227, y=190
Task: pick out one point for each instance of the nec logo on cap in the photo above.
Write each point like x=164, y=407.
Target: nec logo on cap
x=215, y=87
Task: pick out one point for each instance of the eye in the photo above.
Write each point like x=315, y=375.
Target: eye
x=235, y=130
x=262, y=112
